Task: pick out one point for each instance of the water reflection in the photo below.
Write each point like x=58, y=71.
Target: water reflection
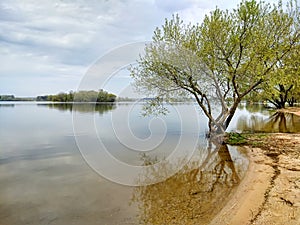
x=278, y=122
x=253, y=107
x=44, y=179
x=81, y=108
x=195, y=194
x=7, y=105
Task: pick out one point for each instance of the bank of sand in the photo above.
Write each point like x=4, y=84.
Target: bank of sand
x=270, y=191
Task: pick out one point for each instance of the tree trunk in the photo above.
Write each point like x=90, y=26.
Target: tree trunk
x=217, y=130
x=231, y=113
x=279, y=102
x=291, y=101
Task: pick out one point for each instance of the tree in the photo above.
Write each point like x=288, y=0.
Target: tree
x=283, y=87
x=219, y=61
x=104, y=96
x=7, y=98
x=80, y=96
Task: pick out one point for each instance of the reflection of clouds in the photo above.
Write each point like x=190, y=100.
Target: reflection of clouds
x=195, y=194
x=67, y=186
x=26, y=125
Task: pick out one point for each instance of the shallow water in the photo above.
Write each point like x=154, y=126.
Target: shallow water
x=195, y=194
x=255, y=118
x=45, y=179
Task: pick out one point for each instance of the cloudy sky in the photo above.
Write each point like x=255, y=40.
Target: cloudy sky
x=47, y=46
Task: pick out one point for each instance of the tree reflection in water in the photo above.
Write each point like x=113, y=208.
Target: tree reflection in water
x=195, y=194
x=81, y=107
x=278, y=122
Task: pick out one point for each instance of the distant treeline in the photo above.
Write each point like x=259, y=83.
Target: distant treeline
x=80, y=96
x=13, y=98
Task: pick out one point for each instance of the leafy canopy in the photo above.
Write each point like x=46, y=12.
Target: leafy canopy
x=219, y=61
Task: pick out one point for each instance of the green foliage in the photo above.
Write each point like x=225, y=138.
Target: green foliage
x=7, y=97
x=284, y=84
x=13, y=98
x=220, y=61
x=80, y=96
x=253, y=140
x=235, y=139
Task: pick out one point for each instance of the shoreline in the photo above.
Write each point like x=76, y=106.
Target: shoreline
x=293, y=110
x=270, y=191
x=241, y=208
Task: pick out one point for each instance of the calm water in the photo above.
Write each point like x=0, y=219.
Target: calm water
x=44, y=178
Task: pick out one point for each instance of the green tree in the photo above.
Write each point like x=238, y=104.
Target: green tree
x=70, y=96
x=104, y=96
x=7, y=98
x=81, y=96
x=219, y=61
x=283, y=87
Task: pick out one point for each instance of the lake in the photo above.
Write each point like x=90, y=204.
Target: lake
x=82, y=164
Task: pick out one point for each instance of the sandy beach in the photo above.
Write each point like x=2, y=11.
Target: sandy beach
x=270, y=191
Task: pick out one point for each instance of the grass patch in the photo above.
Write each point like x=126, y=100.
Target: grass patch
x=235, y=139
x=250, y=139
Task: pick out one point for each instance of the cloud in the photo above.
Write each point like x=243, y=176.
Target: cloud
x=57, y=40
x=173, y=6
x=61, y=27
x=46, y=41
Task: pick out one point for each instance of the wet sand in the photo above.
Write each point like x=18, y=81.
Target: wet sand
x=270, y=191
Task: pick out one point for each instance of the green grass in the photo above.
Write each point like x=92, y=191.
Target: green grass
x=251, y=139
x=236, y=139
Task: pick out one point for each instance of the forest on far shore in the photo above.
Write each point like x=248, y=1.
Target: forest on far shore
x=80, y=96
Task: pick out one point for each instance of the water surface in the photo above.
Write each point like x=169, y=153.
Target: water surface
x=45, y=180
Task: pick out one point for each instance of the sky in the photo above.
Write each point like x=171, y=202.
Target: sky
x=47, y=46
